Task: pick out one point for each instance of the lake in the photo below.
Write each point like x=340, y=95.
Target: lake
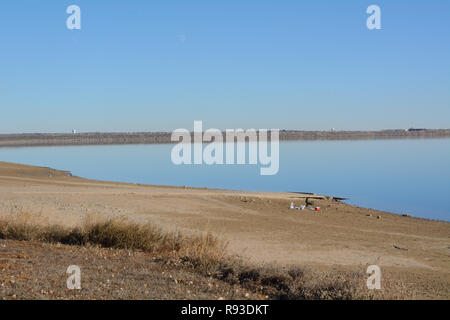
x=400, y=176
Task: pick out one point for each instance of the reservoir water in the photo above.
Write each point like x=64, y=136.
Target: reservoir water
x=400, y=176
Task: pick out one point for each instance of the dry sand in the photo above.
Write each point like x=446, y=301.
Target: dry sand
x=258, y=226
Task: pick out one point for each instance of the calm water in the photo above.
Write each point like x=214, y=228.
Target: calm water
x=402, y=176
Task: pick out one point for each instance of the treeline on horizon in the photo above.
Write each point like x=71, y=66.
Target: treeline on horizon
x=98, y=138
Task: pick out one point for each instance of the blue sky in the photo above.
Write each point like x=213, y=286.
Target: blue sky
x=160, y=65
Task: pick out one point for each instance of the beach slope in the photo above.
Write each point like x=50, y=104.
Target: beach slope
x=413, y=254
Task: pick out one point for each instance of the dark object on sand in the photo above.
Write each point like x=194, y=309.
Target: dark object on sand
x=397, y=247
x=309, y=202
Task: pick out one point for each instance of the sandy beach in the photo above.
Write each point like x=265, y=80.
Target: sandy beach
x=413, y=254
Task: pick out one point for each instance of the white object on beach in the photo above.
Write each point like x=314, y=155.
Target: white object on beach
x=292, y=205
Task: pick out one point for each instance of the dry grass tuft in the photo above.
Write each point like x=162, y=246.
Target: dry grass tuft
x=118, y=234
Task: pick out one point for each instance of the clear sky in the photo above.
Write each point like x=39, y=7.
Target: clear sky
x=160, y=65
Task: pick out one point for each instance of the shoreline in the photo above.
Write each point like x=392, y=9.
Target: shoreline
x=297, y=194
x=81, y=139
x=258, y=226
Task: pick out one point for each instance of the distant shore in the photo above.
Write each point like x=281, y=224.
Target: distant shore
x=96, y=138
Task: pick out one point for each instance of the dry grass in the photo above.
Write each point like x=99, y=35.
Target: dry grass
x=203, y=254
x=118, y=234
